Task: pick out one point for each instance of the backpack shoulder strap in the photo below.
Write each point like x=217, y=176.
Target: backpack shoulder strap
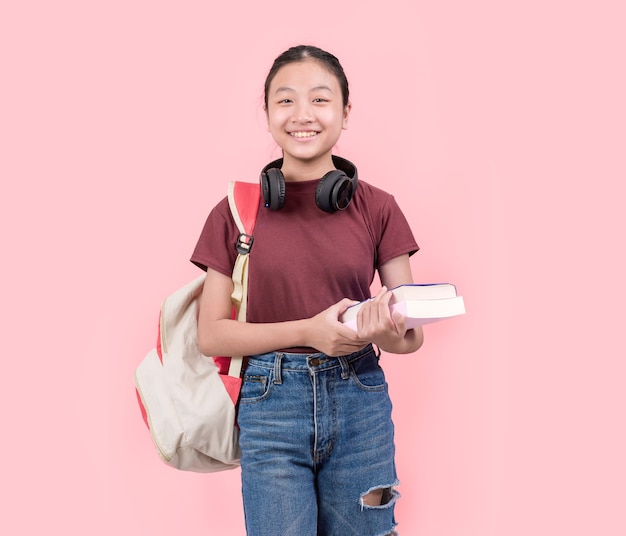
x=244, y=199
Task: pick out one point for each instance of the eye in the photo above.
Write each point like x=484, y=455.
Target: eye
x=285, y=101
x=320, y=100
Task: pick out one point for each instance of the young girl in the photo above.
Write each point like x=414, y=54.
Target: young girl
x=315, y=418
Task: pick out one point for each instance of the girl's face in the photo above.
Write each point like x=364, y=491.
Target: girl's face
x=305, y=112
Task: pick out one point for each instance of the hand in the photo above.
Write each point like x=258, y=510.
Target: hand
x=328, y=335
x=377, y=324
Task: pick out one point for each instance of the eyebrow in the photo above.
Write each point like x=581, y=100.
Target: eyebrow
x=316, y=88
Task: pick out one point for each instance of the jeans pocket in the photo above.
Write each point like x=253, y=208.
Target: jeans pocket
x=256, y=385
x=367, y=374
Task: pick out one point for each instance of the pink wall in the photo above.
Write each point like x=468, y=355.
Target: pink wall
x=498, y=125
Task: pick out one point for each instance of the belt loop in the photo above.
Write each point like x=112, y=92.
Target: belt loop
x=345, y=367
x=278, y=362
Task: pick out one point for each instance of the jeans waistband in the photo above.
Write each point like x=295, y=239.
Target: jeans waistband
x=313, y=362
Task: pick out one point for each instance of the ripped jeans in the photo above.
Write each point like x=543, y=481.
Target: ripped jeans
x=316, y=439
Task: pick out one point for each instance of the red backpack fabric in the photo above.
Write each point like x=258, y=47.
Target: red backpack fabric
x=189, y=400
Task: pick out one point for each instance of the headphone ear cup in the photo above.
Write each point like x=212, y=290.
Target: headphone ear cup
x=273, y=187
x=334, y=191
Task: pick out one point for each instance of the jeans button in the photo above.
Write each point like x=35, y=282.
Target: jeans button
x=314, y=361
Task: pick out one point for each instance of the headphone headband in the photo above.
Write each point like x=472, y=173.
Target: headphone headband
x=334, y=190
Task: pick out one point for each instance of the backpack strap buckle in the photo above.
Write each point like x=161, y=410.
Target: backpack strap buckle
x=244, y=243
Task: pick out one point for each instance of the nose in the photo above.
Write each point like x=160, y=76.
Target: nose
x=303, y=113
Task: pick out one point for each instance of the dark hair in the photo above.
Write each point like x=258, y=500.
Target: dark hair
x=304, y=52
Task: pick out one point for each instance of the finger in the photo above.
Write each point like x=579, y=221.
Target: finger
x=399, y=321
x=349, y=335
x=344, y=304
x=370, y=314
x=381, y=294
x=363, y=318
x=380, y=312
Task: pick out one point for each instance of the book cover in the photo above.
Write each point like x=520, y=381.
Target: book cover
x=420, y=304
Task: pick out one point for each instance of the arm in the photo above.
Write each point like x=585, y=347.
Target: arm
x=218, y=334
x=375, y=321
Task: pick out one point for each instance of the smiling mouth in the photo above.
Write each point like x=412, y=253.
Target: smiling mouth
x=307, y=134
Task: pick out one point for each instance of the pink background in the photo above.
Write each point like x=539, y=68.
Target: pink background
x=500, y=128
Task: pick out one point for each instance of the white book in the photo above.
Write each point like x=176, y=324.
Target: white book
x=419, y=304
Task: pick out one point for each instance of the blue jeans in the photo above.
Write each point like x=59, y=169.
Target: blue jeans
x=316, y=437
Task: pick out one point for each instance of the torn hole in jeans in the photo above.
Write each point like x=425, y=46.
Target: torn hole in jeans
x=379, y=497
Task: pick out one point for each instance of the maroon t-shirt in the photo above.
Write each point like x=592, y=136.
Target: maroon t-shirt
x=303, y=259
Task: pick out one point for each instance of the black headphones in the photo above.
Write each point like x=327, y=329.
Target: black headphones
x=334, y=190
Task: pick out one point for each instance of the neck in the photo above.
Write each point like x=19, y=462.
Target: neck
x=295, y=170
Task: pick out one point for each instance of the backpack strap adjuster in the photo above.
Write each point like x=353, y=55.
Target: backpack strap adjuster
x=244, y=243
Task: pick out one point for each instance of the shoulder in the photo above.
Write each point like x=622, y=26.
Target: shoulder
x=367, y=189
x=374, y=198
x=219, y=222
x=220, y=214
x=222, y=207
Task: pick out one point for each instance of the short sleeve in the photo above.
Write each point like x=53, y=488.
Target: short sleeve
x=215, y=248
x=395, y=236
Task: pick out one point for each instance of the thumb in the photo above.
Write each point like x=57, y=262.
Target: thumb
x=344, y=304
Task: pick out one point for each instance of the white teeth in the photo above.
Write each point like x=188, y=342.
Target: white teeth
x=308, y=134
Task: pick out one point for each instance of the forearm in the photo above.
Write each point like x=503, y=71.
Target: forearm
x=412, y=341
x=324, y=332
x=231, y=337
